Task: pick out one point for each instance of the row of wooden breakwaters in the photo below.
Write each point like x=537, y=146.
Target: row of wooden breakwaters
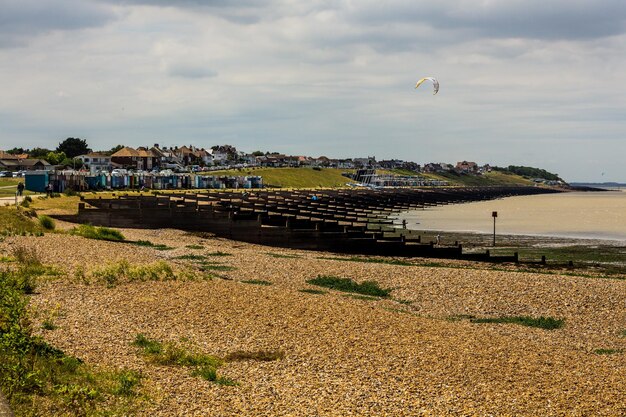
x=352, y=221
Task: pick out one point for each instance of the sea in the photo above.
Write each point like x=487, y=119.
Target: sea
x=579, y=215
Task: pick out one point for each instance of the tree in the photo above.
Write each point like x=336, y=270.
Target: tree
x=16, y=151
x=55, y=158
x=257, y=153
x=73, y=147
x=38, y=153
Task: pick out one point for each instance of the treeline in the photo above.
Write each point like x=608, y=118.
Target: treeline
x=529, y=172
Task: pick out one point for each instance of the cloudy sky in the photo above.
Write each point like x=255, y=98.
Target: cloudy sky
x=523, y=82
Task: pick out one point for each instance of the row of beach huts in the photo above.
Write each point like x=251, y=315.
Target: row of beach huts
x=61, y=181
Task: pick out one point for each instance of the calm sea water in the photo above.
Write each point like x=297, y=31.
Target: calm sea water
x=587, y=215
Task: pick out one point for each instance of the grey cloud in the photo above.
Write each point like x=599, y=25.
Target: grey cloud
x=535, y=19
x=245, y=12
x=24, y=19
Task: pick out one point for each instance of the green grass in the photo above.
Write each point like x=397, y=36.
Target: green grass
x=17, y=221
x=39, y=379
x=369, y=260
x=191, y=257
x=607, y=351
x=172, y=354
x=256, y=282
x=47, y=222
x=194, y=247
x=122, y=271
x=331, y=177
x=209, y=266
x=257, y=355
x=99, y=233
x=281, y=255
x=623, y=333
x=348, y=285
x=147, y=243
x=294, y=177
x=547, y=323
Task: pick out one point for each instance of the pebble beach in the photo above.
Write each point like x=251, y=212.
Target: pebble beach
x=415, y=353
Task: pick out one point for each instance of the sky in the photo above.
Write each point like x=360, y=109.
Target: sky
x=523, y=82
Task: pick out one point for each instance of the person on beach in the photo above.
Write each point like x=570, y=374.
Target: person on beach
x=438, y=239
x=20, y=188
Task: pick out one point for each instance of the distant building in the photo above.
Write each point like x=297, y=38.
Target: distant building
x=24, y=164
x=96, y=161
x=466, y=167
x=139, y=159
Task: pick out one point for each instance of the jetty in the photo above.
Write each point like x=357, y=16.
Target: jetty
x=352, y=221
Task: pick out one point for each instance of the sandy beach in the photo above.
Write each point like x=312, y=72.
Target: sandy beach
x=586, y=215
x=414, y=353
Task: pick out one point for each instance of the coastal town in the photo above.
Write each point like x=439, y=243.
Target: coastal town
x=74, y=165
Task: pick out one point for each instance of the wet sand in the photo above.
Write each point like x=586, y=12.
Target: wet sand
x=578, y=215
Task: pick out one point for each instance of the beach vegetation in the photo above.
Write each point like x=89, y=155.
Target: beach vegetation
x=18, y=222
x=39, y=379
x=547, y=323
x=389, y=261
x=173, y=354
x=212, y=266
x=370, y=288
x=147, y=243
x=99, y=233
x=256, y=355
x=607, y=351
x=47, y=222
x=123, y=271
x=191, y=257
x=283, y=255
x=256, y=282
x=194, y=247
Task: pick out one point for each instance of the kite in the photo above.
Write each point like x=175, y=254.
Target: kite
x=434, y=81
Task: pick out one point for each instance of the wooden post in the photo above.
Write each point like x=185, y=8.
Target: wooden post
x=494, y=214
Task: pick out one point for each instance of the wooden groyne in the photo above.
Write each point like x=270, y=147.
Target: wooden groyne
x=344, y=221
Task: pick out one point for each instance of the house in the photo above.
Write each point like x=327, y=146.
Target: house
x=141, y=158
x=466, y=167
x=24, y=164
x=345, y=163
x=219, y=157
x=96, y=162
x=437, y=167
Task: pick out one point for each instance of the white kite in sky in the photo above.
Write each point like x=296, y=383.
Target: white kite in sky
x=434, y=81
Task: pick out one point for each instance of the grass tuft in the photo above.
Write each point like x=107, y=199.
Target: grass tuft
x=607, y=351
x=47, y=222
x=258, y=355
x=219, y=253
x=171, y=354
x=100, y=233
x=157, y=246
x=547, y=323
x=282, y=255
x=256, y=282
x=348, y=285
x=194, y=247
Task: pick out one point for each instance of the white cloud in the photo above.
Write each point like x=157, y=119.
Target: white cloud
x=521, y=82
